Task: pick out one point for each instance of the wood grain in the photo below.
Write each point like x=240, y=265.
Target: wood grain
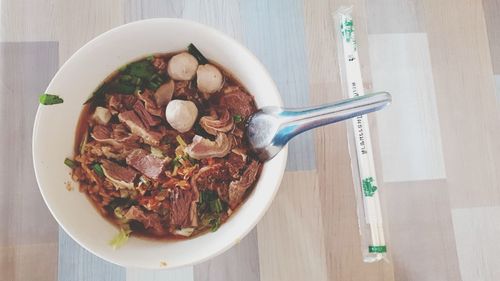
x=393, y=16
x=428, y=222
x=223, y=15
x=420, y=229
x=341, y=235
x=241, y=262
x=80, y=21
x=145, y=9
x=177, y=274
x=78, y=264
x=468, y=112
x=491, y=10
x=274, y=31
x=26, y=20
x=400, y=64
x=476, y=232
x=28, y=228
x=29, y=262
x=290, y=235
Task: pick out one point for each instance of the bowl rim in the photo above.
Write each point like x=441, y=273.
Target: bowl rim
x=90, y=43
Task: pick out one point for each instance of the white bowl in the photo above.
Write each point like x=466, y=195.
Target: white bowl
x=54, y=134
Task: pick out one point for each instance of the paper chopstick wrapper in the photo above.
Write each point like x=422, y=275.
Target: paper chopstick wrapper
x=369, y=209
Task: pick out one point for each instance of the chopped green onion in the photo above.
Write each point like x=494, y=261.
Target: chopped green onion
x=215, y=224
x=48, y=99
x=237, y=118
x=84, y=141
x=136, y=81
x=120, y=239
x=122, y=88
x=126, y=78
x=181, y=141
x=207, y=196
x=70, y=163
x=197, y=54
x=176, y=162
x=99, y=93
x=98, y=169
x=152, y=86
x=142, y=69
x=216, y=206
x=150, y=58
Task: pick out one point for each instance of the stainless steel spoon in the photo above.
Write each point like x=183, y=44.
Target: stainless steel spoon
x=270, y=128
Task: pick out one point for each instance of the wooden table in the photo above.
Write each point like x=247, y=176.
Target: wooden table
x=437, y=147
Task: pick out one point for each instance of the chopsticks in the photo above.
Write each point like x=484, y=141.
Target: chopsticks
x=371, y=228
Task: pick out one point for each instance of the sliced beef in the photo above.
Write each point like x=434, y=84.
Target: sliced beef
x=210, y=177
x=147, y=164
x=235, y=163
x=181, y=201
x=202, y=148
x=213, y=125
x=103, y=134
x=164, y=93
x=122, y=134
x=147, y=119
x=160, y=64
x=237, y=188
x=118, y=103
x=121, y=177
x=181, y=89
x=149, y=103
x=149, y=220
x=238, y=102
x=136, y=126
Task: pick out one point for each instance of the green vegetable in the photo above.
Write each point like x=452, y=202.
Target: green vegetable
x=125, y=78
x=176, y=162
x=142, y=69
x=153, y=86
x=99, y=93
x=122, y=88
x=197, y=54
x=122, y=237
x=207, y=196
x=70, y=163
x=216, y=206
x=98, y=169
x=215, y=224
x=188, y=158
x=237, y=118
x=120, y=202
x=150, y=58
x=48, y=99
x=84, y=142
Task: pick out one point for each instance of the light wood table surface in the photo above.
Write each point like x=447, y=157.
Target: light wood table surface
x=437, y=146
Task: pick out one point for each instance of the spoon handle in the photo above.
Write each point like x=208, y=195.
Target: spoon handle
x=296, y=121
